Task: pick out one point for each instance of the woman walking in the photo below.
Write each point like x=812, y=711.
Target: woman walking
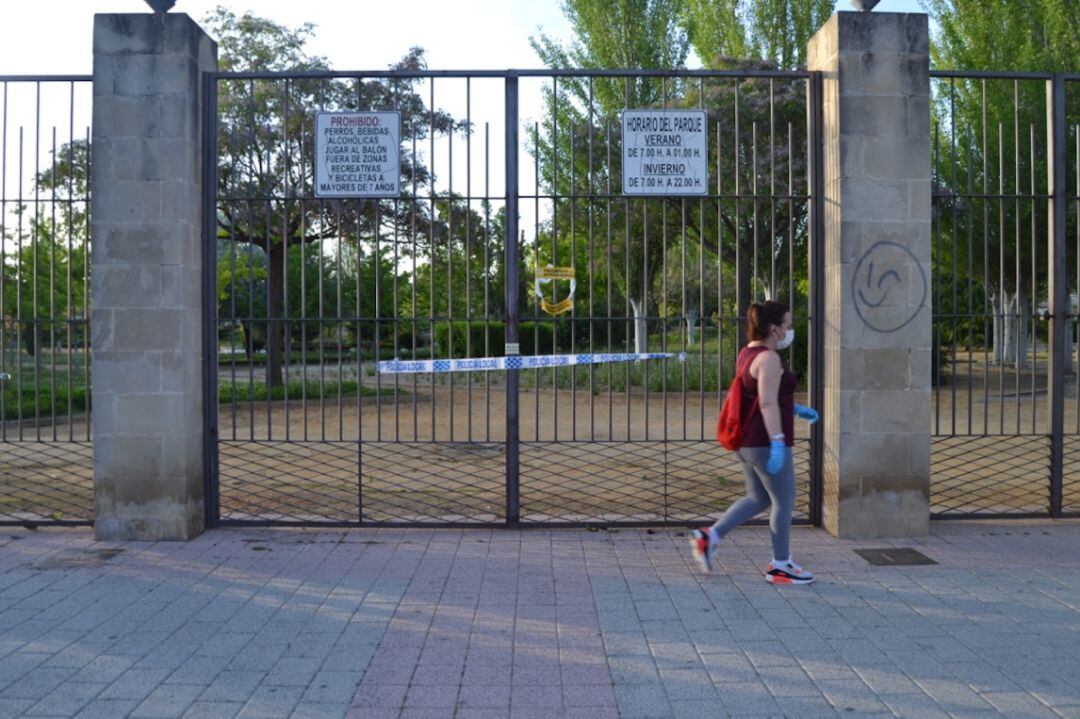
x=769, y=429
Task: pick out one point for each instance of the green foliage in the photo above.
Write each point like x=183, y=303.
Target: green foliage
x=989, y=138
x=265, y=128
x=43, y=400
x=45, y=290
x=726, y=32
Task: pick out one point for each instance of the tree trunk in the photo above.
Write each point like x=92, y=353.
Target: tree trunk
x=1023, y=317
x=29, y=338
x=249, y=341
x=1070, y=344
x=691, y=325
x=274, y=330
x=1008, y=330
x=997, y=311
x=641, y=332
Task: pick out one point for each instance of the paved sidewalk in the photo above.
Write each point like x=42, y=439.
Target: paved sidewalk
x=411, y=623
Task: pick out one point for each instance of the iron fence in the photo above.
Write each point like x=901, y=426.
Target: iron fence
x=45, y=448
x=503, y=172
x=1004, y=331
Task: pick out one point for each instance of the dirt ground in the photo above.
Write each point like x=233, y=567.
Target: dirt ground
x=436, y=453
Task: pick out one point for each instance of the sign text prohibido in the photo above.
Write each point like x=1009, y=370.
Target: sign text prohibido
x=357, y=154
x=665, y=152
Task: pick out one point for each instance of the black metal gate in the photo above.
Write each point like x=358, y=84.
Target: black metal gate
x=502, y=173
x=45, y=443
x=1006, y=201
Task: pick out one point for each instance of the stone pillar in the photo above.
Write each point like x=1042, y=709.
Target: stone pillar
x=877, y=324
x=147, y=269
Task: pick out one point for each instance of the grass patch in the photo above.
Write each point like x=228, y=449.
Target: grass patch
x=295, y=390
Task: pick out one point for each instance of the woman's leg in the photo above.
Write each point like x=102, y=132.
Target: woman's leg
x=756, y=499
x=781, y=489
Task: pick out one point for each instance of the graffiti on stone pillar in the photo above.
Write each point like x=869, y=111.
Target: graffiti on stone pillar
x=889, y=287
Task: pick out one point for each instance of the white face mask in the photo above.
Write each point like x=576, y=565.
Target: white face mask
x=789, y=337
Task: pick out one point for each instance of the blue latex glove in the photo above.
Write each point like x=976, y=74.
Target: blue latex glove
x=808, y=413
x=777, y=455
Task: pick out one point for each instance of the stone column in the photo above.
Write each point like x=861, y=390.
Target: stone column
x=877, y=324
x=147, y=268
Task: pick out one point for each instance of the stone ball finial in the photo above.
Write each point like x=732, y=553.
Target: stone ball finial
x=863, y=5
x=161, y=6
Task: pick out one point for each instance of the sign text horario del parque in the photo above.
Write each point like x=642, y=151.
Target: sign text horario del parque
x=664, y=152
x=357, y=154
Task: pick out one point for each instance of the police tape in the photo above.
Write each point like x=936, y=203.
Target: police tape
x=485, y=364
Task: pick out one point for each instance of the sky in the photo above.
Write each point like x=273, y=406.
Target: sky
x=447, y=30
x=55, y=37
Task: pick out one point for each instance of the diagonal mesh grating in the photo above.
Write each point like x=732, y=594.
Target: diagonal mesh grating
x=636, y=481
x=370, y=482
x=288, y=482
x=434, y=482
x=43, y=482
x=1070, y=490
x=704, y=479
x=989, y=475
x=592, y=482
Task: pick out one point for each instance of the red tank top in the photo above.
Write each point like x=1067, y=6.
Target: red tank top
x=756, y=434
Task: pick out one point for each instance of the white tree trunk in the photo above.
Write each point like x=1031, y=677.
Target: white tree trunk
x=691, y=324
x=1024, y=320
x=996, y=310
x=1008, y=330
x=1070, y=344
x=641, y=334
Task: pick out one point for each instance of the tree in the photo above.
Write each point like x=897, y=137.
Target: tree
x=46, y=268
x=632, y=34
x=983, y=139
x=265, y=146
x=727, y=32
x=759, y=124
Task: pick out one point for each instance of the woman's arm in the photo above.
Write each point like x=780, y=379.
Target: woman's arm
x=769, y=371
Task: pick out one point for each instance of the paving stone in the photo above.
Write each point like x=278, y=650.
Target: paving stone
x=67, y=699
x=578, y=621
x=109, y=709
x=167, y=701
x=213, y=710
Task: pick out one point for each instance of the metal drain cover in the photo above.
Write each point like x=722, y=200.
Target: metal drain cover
x=894, y=557
x=77, y=559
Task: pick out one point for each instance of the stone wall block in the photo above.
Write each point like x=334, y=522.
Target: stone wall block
x=138, y=244
x=152, y=415
x=128, y=117
x=131, y=285
x=134, y=371
x=148, y=329
x=883, y=32
x=882, y=116
x=125, y=200
x=893, y=158
x=894, y=411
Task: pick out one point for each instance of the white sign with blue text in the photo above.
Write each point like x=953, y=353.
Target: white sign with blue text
x=357, y=154
x=665, y=152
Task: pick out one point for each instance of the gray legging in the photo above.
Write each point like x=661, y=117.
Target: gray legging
x=763, y=489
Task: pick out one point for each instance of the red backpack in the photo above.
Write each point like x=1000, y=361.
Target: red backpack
x=729, y=426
